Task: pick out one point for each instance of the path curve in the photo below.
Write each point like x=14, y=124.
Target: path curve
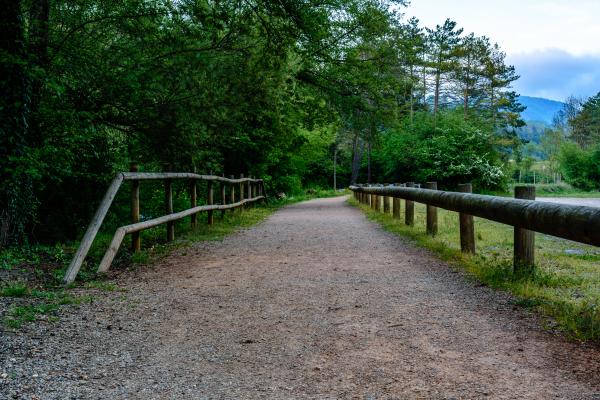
x=314, y=303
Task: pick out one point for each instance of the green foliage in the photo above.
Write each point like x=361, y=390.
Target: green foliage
x=585, y=124
x=449, y=151
x=580, y=167
x=271, y=89
x=14, y=289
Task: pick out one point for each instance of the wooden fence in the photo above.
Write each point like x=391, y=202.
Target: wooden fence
x=249, y=190
x=577, y=223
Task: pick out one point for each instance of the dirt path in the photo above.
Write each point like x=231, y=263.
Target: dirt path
x=315, y=303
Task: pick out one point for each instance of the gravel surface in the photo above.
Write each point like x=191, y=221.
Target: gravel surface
x=314, y=303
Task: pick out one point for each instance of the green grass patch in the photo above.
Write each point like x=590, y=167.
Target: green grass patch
x=14, y=289
x=565, y=285
x=40, y=303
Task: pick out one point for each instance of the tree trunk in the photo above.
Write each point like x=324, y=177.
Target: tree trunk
x=493, y=106
x=369, y=161
x=17, y=203
x=357, y=150
x=38, y=51
x=436, y=99
x=335, y=167
x=412, y=100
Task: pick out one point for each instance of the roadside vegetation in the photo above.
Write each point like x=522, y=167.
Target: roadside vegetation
x=565, y=286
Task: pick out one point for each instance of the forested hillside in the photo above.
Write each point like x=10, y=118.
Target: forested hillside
x=277, y=89
x=539, y=109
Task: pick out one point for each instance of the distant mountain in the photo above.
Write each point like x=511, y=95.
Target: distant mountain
x=533, y=131
x=538, y=109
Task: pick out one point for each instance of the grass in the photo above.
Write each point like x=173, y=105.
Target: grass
x=556, y=190
x=565, y=286
x=41, y=293
x=38, y=304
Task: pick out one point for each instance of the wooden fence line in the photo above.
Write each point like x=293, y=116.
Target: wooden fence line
x=257, y=185
x=577, y=223
x=140, y=226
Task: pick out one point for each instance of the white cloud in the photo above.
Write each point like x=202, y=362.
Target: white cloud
x=521, y=25
x=556, y=74
x=554, y=44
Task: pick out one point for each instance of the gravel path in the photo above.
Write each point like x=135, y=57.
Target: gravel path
x=315, y=303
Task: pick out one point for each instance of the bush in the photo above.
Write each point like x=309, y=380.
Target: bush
x=449, y=151
x=581, y=168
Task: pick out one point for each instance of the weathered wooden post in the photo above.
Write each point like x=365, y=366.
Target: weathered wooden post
x=409, y=209
x=223, y=196
x=136, y=244
x=467, y=228
x=432, y=219
x=210, y=201
x=396, y=208
x=386, y=204
x=524, y=259
x=169, y=209
x=232, y=193
x=193, y=201
x=242, y=187
x=251, y=188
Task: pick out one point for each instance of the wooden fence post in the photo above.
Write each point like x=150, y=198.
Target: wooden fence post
x=386, y=204
x=432, y=219
x=136, y=243
x=193, y=202
x=169, y=209
x=210, y=201
x=242, y=190
x=223, y=196
x=524, y=259
x=409, y=209
x=232, y=196
x=396, y=208
x=467, y=228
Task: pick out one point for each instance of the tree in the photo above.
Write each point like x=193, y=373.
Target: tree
x=443, y=53
x=585, y=125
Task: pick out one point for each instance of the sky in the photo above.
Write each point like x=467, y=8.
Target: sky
x=553, y=44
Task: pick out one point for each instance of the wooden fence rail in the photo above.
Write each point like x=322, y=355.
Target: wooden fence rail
x=577, y=223
x=255, y=192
